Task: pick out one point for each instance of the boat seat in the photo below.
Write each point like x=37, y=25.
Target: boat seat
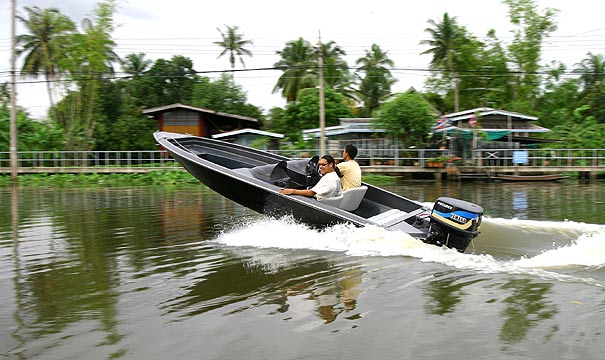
x=352, y=198
x=244, y=171
x=349, y=200
x=334, y=201
x=389, y=218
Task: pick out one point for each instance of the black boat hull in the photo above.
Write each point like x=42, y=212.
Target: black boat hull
x=260, y=199
x=246, y=176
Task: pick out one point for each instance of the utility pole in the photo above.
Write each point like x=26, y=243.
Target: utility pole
x=13, y=101
x=322, y=103
x=456, y=94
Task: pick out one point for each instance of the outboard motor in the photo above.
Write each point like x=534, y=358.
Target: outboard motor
x=454, y=223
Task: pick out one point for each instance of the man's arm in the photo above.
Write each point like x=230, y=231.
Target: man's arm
x=305, y=192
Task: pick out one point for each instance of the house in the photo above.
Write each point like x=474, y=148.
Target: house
x=487, y=128
x=505, y=129
x=187, y=119
x=357, y=131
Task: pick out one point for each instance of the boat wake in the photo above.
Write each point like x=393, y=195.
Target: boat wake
x=543, y=248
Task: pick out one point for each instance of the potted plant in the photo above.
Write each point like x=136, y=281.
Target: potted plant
x=438, y=161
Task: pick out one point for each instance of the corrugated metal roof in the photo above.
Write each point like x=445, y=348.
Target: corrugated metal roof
x=193, y=108
x=248, y=131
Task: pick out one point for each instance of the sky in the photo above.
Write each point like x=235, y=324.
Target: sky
x=161, y=29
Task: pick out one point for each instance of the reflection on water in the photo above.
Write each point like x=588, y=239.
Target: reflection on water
x=556, y=201
x=247, y=281
x=520, y=204
x=444, y=295
x=526, y=307
x=138, y=273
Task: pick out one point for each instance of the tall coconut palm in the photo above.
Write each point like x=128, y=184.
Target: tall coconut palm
x=233, y=44
x=44, y=44
x=376, y=83
x=336, y=70
x=592, y=71
x=298, y=64
x=135, y=64
x=445, y=37
x=592, y=78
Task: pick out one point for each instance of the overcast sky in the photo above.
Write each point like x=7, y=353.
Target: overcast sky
x=161, y=29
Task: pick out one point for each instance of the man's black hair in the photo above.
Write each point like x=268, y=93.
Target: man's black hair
x=328, y=158
x=351, y=150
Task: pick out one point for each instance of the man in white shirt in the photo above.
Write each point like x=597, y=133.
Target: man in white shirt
x=328, y=186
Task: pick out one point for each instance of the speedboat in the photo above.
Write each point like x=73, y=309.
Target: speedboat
x=253, y=178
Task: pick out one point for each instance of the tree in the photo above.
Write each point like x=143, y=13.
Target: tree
x=581, y=131
x=592, y=71
x=4, y=94
x=33, y=135
x=44, y=45
x=275, y=120
x=495, y=77
x=167, y=82
x=233, y=43
x=592, y=81
x=89, y=57
x=446, y=37
x=526, y=48
x=223, y=95
x=304, y=114
x=376, y=81
x=559, y=99
x=135, y=65
x=120, y=125
x=336, y=70
x=298, y=64
x=406, y=114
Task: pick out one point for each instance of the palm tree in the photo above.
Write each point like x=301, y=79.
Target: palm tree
x=44, y=44
x=298, y=63
x=592, y=78
x=376, y=84
x=445, y=37
x=233, y=43
x=336, y=70
x=135, y=65
x=4, y=94
x=592, y=71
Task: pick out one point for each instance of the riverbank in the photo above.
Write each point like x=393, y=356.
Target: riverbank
x=173, y=177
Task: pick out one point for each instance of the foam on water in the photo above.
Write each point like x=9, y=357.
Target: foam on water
x=585, y=247
x=587, y=250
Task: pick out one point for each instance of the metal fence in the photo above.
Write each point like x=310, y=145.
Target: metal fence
x=539, y=157
x=64, y=159
x=384, y=157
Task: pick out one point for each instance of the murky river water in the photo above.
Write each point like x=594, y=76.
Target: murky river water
x=182, y=273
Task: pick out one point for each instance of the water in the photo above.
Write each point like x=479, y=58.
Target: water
x=156, y=273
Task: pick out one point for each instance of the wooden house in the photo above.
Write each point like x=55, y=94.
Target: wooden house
x=187, y=119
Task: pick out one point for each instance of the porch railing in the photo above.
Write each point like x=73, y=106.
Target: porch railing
x=63, y=159
x=383, y=157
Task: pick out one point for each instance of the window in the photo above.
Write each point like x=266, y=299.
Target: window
x=181, y=118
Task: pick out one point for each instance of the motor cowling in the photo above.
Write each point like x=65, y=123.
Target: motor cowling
x=454, y=223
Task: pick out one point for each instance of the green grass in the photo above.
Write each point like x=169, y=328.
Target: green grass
x=160, y=177
x=377, y=179
x=174, y=177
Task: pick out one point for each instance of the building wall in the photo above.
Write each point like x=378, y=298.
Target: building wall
x=183, y=121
